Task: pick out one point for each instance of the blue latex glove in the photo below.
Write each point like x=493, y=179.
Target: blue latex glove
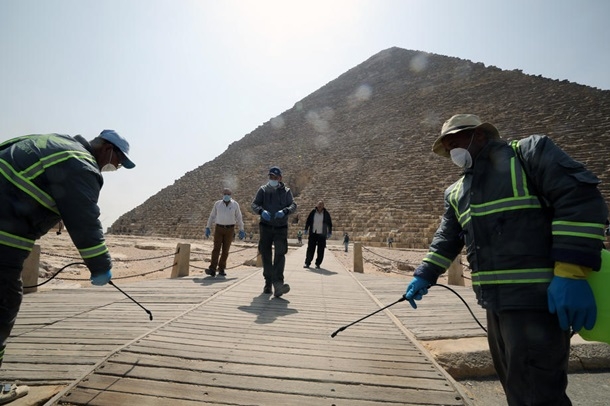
x=305, y=232
x=280, y=214
x=266, y=215
x=416, y=290
x=207, y=232
x=573, y=301
x=329, y=235
x=242, y=234
x=101, y=279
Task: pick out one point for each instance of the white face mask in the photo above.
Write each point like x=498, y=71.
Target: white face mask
x=273, y=182
x=226, y=198
x=461, y=157
x=109, y=167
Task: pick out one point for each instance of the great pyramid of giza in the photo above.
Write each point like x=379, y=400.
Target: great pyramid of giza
x=362, y=143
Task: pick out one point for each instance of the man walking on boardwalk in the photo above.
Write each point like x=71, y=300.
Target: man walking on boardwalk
x=320, y=227
x=225, y=214
x=273, y=203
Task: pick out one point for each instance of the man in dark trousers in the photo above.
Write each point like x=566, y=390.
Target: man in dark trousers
x=274, y=202
x=320, y=227
x=45, y=178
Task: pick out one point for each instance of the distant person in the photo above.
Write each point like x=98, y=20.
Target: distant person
x=390, y=242
x=345, y=241
x=45, y=178
x=225, y=214
x=60, y=227
x=319, y=227
x=532, y=220
x=300, y=237
x=273, y=203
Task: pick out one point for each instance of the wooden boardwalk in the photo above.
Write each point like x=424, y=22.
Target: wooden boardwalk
x=221, y=341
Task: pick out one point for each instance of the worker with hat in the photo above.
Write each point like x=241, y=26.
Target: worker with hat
x=274, y=203
x=44, y=179
x=532, y=221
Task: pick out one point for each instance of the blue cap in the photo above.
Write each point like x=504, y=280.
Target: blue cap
x=121, y=143
x=274, y=170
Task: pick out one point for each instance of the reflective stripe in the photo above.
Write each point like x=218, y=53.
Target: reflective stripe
x=462, y=218
x=437, y=259
x=45, y=162
x=507, y=204
x=578, y=229
x=512, y=276
x=93, y=251
x=27, y=186
x=15, y=241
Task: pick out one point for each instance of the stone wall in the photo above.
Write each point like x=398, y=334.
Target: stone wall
x=362, y=143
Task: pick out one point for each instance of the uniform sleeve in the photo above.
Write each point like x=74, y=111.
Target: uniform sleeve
x=570, y=190
x=75, y=185
x=446, y=245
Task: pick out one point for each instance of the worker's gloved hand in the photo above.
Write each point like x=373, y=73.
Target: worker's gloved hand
x=280, y=214
x=242, y=234
x=416, y=289
x=329, y=235
x=266, y=215
x=101, y=279
x=207, y=232
x=573, y=301
x=305, y=232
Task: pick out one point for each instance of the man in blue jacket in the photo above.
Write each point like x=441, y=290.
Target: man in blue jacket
x=532, y=221
x=44, y=179
x=274, y=202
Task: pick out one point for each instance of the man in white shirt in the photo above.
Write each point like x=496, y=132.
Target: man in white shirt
x=226, y=214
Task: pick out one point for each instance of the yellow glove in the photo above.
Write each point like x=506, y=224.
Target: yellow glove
x=571, y=271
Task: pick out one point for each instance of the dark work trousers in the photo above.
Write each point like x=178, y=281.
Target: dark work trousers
x=11, y=291
x=315, y=240
x=276, y=237
x=223, y=237
x=530, y=354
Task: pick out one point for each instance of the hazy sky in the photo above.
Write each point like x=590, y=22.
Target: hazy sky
x=182, y=79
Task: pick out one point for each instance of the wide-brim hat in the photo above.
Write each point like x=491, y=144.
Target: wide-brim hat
x=121, y=143
x=461, y=122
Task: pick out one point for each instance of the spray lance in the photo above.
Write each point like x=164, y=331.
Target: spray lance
x=402, y=299
x=109, y=282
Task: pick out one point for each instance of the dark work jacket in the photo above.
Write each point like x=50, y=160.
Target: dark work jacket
x=516, y=217
x=327, y=224
x=45, y=178
x=273, y=200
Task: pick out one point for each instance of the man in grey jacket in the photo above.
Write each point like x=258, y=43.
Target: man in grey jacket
x=274, y=202
x=43, y=179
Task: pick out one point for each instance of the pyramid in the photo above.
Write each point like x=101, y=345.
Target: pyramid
x=362, y=143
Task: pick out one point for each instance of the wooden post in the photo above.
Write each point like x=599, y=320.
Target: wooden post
x=358, y=264
x=455, y=273
x=181, y=260
x=29, y=274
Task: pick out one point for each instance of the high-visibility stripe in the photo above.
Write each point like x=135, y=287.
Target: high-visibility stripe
x=45, y=162
x=93, y=251
x=437, y=259
x=512, y=276
x=27, y=186
x=578, y=229
x=15, y=241
x=506, y=204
